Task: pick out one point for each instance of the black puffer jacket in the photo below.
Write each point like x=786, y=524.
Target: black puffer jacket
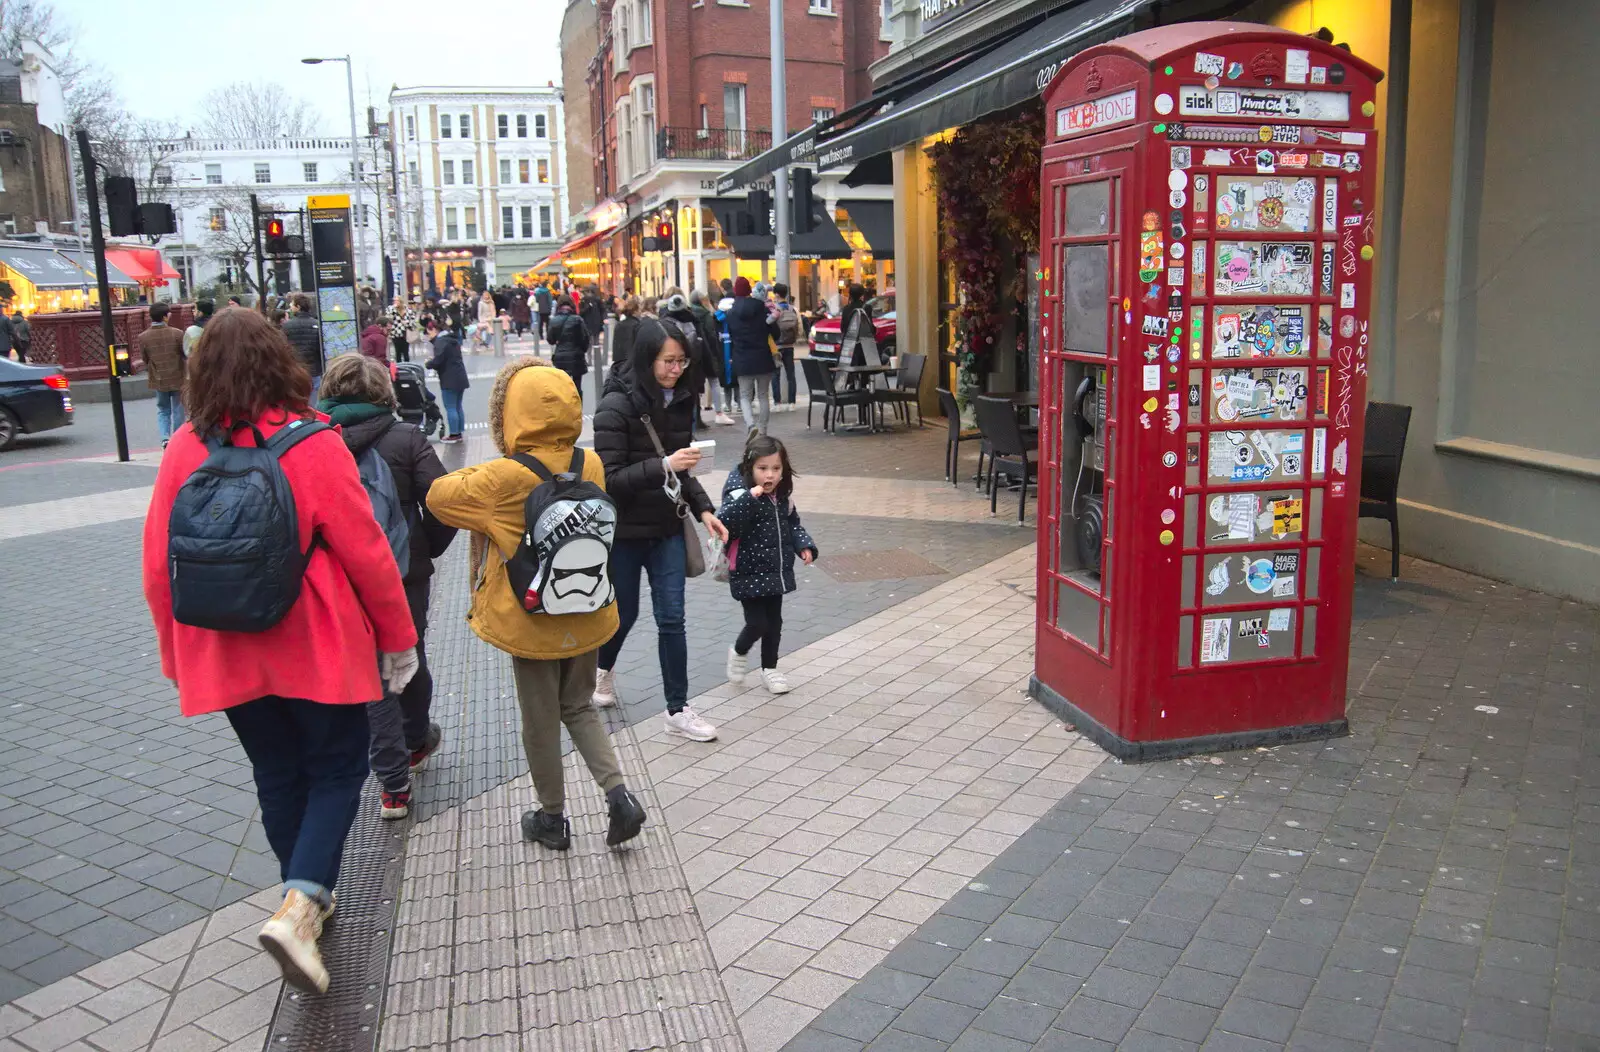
x=415, y=466
x=769, y=536
x=711, y=336
x=447, y=362
x=569, y=341
x=305, y=336
x=634, y=471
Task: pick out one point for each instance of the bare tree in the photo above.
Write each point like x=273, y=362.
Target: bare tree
x=232, y=239
x=262, y=110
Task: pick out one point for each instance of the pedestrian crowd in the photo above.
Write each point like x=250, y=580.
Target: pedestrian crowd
x=298, y=512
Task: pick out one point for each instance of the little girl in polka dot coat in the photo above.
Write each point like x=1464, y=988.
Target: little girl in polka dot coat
x=764, y=538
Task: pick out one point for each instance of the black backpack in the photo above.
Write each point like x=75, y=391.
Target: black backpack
x=561, y=564
x=233, y=541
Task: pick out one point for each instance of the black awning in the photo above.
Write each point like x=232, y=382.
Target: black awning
x=875, y=220
x=43, y=268
x=823, y=242
x=877, y=170
x=799, y=148
x=1013, y=72
x=114, y=276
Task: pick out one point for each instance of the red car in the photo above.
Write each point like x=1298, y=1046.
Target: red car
x=825, y=333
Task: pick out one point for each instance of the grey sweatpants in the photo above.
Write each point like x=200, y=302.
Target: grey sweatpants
x=552, y=693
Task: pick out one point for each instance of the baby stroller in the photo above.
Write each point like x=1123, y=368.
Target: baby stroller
x=417, y=404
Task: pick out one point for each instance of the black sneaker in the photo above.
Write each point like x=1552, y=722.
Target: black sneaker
x=419, y=756
x=627, y=817
x=553, y=831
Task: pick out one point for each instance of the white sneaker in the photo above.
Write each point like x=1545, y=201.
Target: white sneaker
x=724, y=419
x=687, y=724
x=605, y=689
x=738, y=667
x=291, y=937
x=774, y=681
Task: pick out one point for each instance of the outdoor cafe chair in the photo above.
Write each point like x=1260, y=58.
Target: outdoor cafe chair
x=1008, y=448
x=908, y=388
x=955, y=436
x=821, y=390
x=1387, y=425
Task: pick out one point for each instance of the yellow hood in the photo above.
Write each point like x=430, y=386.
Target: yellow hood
x=534, y=408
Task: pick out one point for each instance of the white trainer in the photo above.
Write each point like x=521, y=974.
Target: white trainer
x=291, y=937
x=774, y=681
x=724, y=419
x=738, y=667
x=688, y=724
x=605, y=689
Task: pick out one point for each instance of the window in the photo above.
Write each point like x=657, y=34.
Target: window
x=527, y=221
x=619, y=37
x=263, y=172
x=451, y=231
x=213, y=175
x=644, y=31
x=218, y=219
x=544, y=170
x=464, y=123
x=522, y=126
x=508, y=226
x=885, y=16
x=310, y=170
x=540, y=130
x=705, y=116
x=502, y=126
x=411, y=128
x=821, y=7
x=444, y=126
x=625, y=129
x=470, y=221
x=505, y=170
x=821, y=113
x=647, y=122
x=544, y=221
x=733, y=107
x=163, y=176
x=413, y=174
x=522, y=170
x=466, y=173
x=449, y=170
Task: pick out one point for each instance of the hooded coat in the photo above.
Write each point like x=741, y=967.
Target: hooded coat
x=748, y=330
x=375, y=343
x=635, y=472
x=769, y=537
x=569, y=341
x=533, y=409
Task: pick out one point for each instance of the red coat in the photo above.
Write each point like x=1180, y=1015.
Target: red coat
x=351, y=603
x=375, y=343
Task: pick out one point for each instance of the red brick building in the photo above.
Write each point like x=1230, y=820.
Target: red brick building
x=680, y=93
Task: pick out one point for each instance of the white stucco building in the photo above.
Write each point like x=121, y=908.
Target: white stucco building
x=208, y=183
x=481, y=172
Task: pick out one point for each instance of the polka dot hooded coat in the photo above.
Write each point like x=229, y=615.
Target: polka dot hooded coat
x=770, y=539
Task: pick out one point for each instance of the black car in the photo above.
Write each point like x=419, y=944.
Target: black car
x=32, y=398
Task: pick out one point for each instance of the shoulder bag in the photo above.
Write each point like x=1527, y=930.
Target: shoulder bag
x=694, y=556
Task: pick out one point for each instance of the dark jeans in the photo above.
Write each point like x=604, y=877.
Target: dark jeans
x=787, y=372
x=663, y=559
x=416, y=700
x=577, y=379
x=400, y=723
x=402, y=351
x=763, y=620
x=310, y=761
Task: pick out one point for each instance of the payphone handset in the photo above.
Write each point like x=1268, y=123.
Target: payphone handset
x=1089, y=413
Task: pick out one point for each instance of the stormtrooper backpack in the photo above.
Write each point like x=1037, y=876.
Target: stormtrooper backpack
x=559, y=566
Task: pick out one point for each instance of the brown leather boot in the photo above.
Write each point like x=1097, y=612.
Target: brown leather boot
x=291, y=937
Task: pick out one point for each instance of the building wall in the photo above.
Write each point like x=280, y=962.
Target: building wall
x=580, y=39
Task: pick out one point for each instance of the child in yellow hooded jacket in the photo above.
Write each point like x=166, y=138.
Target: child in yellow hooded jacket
x=536, y=410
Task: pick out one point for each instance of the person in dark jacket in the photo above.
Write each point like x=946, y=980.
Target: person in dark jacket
x=569, y=342
x=300, y=328
x=446, y=361
x=592, y=309
x=623, y=335
x=711, y=333
x=856, y=315
x=648, y=481
x=21, y=334
x=541, y=306
x=748, y=330
x=766, y=538
x=358, y=396
x=375, y=342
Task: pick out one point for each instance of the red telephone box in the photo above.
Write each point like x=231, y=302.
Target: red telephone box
x=1207, y=239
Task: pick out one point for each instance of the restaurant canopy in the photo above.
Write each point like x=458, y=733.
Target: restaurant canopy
x=43, y=268
x=114, y=275
x=144, y=265
x=1013, y=72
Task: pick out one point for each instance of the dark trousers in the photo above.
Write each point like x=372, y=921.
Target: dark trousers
x=416, y=700
x=310, y=761
x=663, y=559
x=22, y=351
x=402, y=352
x=763, y=620
x=787, y=372
x=577, y=379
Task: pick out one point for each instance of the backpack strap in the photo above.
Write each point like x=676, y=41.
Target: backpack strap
x=535, y=465
x=293, y=433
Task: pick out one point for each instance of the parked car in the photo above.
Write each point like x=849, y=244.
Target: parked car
x=825, y=334
x=33, y=398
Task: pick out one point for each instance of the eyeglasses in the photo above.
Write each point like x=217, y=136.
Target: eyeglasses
x=674, y=363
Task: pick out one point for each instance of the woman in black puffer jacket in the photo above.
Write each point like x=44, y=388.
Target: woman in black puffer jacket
x=650, y=536
x=569, y=342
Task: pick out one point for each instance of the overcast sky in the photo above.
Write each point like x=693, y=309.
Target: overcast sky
x=164, y=57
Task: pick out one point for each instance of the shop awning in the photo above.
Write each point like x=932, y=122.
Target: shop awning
x=823, y=242
x=581, y=243
x=144, y=265
x=43, y=267
x=114, y=275
x=994, y=81
x=799, y=148
x=875, y=220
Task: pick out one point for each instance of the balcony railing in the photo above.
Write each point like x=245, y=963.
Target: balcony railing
x=711, y=144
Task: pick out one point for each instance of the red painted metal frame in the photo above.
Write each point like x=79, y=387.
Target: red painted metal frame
x=1143, y=698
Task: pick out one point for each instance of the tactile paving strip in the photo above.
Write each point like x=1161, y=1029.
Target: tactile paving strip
x=355, y=945
x=890, y=565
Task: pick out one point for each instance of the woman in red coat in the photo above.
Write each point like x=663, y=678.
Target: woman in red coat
x=296, y=693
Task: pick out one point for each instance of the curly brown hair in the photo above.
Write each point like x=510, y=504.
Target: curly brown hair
x=241, y=368
x=359, y=377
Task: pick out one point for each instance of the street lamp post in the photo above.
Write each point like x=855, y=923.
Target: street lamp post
x=355, y=155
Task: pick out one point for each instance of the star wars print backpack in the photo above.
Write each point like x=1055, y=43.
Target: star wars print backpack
x=559, y=566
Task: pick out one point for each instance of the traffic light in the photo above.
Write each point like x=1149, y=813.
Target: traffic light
x=664, y=236
x=122, y=206
x=277, y=243
x=801, y=179
x=155, y=218
x=280, y=277
x=758, y=206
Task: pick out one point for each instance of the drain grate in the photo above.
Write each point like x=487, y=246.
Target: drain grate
x=355, y=947
x=890, y=565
